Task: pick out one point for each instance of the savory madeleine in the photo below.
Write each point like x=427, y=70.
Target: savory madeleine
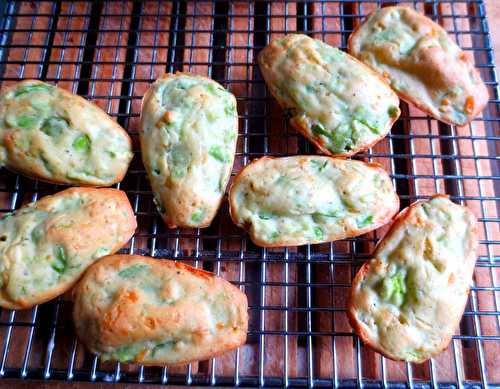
x=297, y=200
x=335, y=101
x=46, y=246
x=408, y=300
x=150, y=311
x=189, y=128
x=422, y=62
x=50, y=134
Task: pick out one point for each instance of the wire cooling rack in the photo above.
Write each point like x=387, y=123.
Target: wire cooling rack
x=109, y=52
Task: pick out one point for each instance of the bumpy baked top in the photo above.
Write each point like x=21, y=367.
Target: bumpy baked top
x=157, y=312
x=408, y=300
x=310, y=199
x=188, y=140
x=337, y=102
x=46, y=246
x=56, y=136
x=422, y=63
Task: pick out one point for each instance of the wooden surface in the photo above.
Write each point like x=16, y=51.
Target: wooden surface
x=334, y=357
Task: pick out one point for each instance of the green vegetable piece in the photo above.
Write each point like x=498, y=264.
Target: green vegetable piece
x=311, y=89
x=37, y=233
x=125, y=353
x=215, y=89
x=334, y=213
x=197, y=216
x=274, y=235
x=180, y=159
x=394, y=289
x=230, y=109
x=319, y=129
x=373, y=127
x=46, y=163
x=319, y=165
x=132, y=271
x=61, y=261
x=412, y=355
x=386, y=288
x=393, y=111
x=31, y=89
x=442, y=238
x=348, y=204
x=178, y=172
x=364, y=222
x=219, y=154
x=427, y=209
x=212, y=116
x=159, y=346
x=318, y=233
x=342, y=139
x=266, y=215
x=445, y=215
x=229, y=136
x=54, y=126
x=367, y=118
x=82, y=144
x=26, y=122
x=101, y=252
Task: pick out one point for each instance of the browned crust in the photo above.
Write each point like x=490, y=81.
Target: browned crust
x=233, y=207
x=478, y=108
x=65, y=181
x=119, y=195
x=238, y=297
x=305, y=131
x=360, y=275
x=145, y=100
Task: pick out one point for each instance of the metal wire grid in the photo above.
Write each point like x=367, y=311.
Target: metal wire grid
x=110, y=51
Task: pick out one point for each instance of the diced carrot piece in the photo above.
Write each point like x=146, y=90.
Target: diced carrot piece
x=469, y=105
x=140, y=357
x=168, y=117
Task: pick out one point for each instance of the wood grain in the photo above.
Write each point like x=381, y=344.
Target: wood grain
x=142, y=56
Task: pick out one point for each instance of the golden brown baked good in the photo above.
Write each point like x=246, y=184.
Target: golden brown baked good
x=55, y=136
x=335, y=101
x=310, y=199
x=407, y=301
x=422, y=63
x=189, y=127
x=45, y=246
x=130, y=308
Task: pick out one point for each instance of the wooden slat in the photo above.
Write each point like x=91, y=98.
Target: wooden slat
x=326, y=17
x=104, y=87
x=237, y=76
x=333, y=356
x=371, y=367
x=69, y=42
x=63, y=64
x=484, y=276
x=280, y=139
x=150, y=62
x=18, y=66
x=29, y=18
